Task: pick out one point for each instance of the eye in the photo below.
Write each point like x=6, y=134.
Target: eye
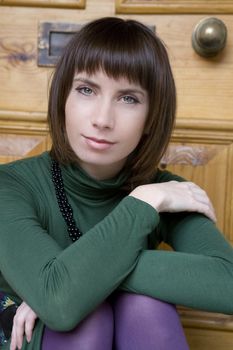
x=85, y=90
x=130, y=99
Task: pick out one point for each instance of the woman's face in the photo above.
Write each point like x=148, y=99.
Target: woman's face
x=105, y=120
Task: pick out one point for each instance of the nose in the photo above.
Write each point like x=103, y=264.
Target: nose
x=103, y=116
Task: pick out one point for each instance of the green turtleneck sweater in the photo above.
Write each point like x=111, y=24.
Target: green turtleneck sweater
x=63, y=282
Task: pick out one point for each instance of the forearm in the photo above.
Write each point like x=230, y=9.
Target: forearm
x=194, y=281
x=62, y=287
x=199, y=274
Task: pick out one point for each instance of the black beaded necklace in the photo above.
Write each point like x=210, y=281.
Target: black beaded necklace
x=65, y=207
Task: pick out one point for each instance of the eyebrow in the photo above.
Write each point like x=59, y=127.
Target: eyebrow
x=122, y=91
x=87, y=81
x=132, y=91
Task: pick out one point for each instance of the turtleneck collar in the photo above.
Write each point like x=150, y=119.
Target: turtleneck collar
x=80, y=183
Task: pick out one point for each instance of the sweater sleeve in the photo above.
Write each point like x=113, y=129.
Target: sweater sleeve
x=63, y=286
x=197, y=274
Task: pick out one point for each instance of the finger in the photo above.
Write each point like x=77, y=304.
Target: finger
x=207, y=211
x=19, y=337
x=201, y=204
x=29, y=326
x=13, y=340
x=196, y=187
x=208, y=207
x=19, y=324
x=201, y=196
x=212, y=214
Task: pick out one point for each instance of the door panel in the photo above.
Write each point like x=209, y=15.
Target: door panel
x=201, y=147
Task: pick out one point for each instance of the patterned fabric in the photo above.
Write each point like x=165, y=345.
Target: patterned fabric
x=7, y=312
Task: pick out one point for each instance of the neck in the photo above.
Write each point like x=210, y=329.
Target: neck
x=102, y=172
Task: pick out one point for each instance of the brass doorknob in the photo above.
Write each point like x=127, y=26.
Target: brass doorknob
x=209, y=37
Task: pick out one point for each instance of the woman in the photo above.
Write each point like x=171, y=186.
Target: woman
x=79, y=224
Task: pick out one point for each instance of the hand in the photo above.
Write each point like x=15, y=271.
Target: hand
x=24, y=322
x=174, y=196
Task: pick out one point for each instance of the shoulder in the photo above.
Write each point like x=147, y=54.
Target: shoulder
x=32, y=163
x=27, y=169
x=165, y=176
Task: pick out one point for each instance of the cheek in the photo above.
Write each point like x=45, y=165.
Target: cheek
x=133, y=134
x=68, y=123
x=71, y=125
x=138, y=127
x=67, y=114
x=71, y=114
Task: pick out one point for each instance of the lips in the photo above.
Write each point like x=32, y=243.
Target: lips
x=99, y=140
x=97, y=144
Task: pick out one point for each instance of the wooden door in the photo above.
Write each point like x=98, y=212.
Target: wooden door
x=201, y=148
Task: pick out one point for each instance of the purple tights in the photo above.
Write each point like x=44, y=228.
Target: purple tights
x=124, y=322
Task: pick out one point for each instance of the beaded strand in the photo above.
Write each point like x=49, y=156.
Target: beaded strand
x=64, y=205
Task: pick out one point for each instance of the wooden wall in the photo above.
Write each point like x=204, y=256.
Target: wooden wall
x=202, y=145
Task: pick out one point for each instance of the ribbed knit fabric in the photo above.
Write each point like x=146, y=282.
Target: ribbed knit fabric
x=64, y=282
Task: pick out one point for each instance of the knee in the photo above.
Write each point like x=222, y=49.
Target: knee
x=102, y=315
x=96, y=330
x=142, y=305
x=151, y=321
x=142, y=311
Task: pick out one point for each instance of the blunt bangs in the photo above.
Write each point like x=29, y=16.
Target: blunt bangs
x=119, y=49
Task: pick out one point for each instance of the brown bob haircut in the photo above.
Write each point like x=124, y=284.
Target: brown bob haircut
x=121, y=48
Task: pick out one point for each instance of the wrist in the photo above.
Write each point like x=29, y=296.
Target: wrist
x=146, y=194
